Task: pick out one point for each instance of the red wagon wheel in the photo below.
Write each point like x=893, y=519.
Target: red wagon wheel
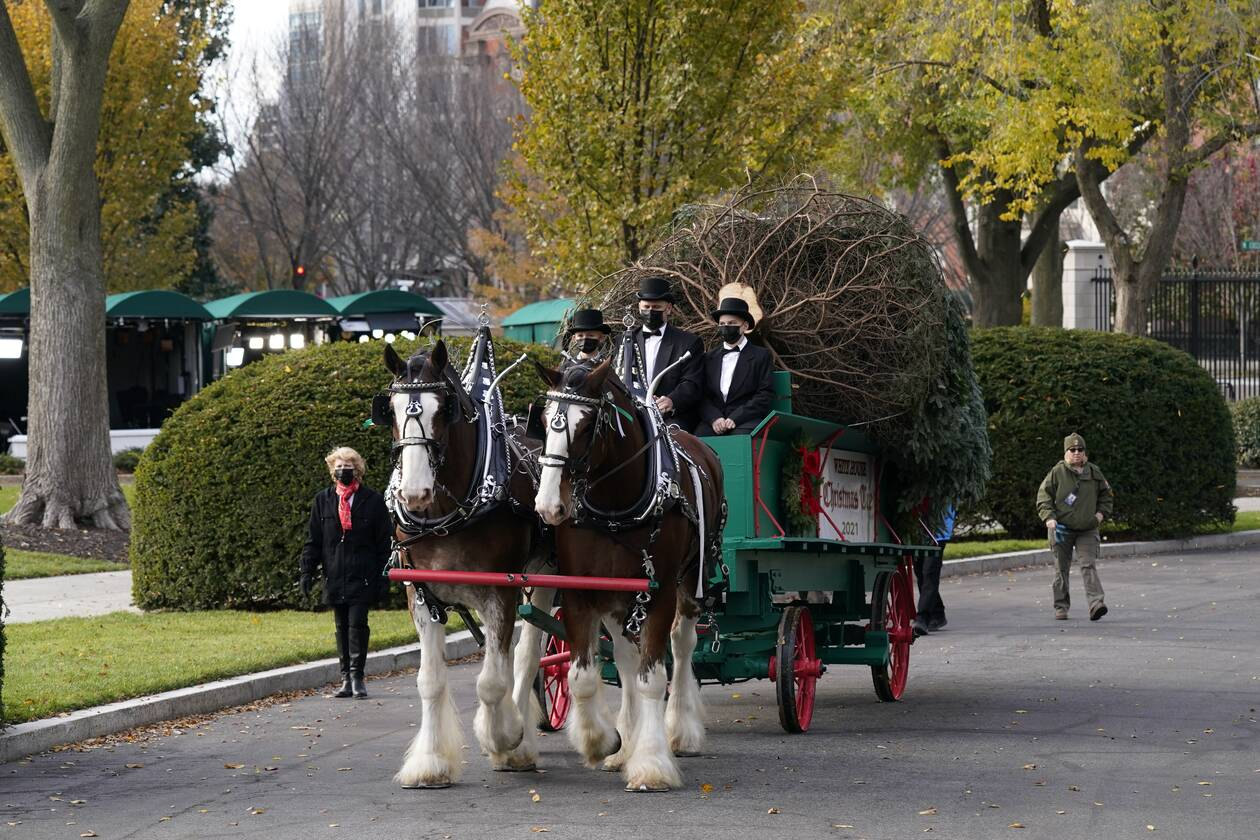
x=552, y=683
x=892, y=608
x=795, y=668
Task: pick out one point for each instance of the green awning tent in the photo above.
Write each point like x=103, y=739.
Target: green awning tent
x=384, y=309
x=147, y=303
x=155, y=303
x=16, y=303
x=278, y=304
x=537, y=323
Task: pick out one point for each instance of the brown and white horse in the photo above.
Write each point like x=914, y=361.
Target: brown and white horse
x=435, y=429
x=594, y=431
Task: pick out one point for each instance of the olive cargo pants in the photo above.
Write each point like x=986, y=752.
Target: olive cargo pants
x=1086, y=545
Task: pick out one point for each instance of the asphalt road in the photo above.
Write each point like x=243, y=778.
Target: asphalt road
x=1014, y=725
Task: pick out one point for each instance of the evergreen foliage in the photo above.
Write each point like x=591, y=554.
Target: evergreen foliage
x=1247, y=432
x=1155, y=423
x=223, y=494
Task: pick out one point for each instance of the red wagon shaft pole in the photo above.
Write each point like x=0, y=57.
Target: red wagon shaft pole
x=520, y=580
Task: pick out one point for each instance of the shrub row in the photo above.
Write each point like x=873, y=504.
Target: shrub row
x=1247, y=432
x=223, y=493
x=1154, y=421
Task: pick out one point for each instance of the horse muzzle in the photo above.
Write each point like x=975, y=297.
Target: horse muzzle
x=416, y=500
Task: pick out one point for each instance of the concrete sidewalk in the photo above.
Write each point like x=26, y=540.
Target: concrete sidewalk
x=63, y=596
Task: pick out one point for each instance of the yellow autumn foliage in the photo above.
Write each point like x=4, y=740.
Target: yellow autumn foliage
x=148, y=117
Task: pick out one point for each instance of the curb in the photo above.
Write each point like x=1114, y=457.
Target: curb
x=1043, y=557
x=36, y=736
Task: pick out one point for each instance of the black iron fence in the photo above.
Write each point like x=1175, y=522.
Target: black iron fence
x=1214, y=316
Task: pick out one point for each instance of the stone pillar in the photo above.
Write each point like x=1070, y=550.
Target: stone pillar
x=1080, y=265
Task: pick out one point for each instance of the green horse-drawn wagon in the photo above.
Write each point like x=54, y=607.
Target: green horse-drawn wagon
x=797, y=598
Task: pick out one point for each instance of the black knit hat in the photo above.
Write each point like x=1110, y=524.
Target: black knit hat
x=655, y=287
x=588, y=319
x=734, y=306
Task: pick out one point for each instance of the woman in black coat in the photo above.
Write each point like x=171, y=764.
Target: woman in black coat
x=349, y=537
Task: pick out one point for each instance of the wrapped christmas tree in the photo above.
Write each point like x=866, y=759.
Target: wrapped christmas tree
x=853, y=304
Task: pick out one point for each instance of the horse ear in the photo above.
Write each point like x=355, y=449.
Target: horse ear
x=395, y=364
x=595, y=379
x=439, y=358
x=546, y=374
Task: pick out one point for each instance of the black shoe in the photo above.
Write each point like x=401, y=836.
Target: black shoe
x=346, y=687
x=1097, y=612
x=919, y=628
x=936, y=624
x=356, y=684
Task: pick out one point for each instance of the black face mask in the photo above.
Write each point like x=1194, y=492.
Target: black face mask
x=653, y=319
x=345, y=476
x=729, y=332
x=588, y=345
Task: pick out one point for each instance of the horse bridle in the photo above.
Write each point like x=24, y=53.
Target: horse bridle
x=560, y=423
x=435, y=448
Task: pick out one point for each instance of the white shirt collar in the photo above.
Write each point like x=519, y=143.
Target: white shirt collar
x=743, y=340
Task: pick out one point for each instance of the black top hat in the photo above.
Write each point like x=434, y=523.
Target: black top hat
x=655, y=287
x=588, y=319
x=734, y=306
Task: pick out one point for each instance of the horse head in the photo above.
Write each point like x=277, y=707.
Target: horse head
x=423, y=404
x=581, y=401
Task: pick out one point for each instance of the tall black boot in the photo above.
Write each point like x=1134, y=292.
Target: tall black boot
x=358, y=658
x=343, y=653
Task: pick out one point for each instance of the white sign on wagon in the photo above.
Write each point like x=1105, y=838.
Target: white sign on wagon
x=847, y=496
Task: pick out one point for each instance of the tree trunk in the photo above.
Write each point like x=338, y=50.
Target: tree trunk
x=998, y=284
x=69, y=469
x=70, y=474
x=1047, y=283
x=1135, y=286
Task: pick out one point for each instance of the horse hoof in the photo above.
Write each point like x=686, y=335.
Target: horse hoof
x=426, y=786
x=611, y=766
x=646, y=789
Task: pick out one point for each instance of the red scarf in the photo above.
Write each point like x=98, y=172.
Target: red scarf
x=344, y=492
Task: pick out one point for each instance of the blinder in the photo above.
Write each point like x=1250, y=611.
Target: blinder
x=382, y=411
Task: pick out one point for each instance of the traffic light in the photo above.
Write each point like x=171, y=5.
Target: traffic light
x=299, y=275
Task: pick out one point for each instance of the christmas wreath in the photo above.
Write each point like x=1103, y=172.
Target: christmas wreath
x=802, y=482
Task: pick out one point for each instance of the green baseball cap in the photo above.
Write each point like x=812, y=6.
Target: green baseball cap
x=1074, y=440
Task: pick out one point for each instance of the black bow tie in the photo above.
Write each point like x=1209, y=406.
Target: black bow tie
x=730, y=349
x=656, y=333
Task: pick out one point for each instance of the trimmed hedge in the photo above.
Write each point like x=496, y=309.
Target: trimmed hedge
x=11, y=464
x=1247, y=432
x=223, y=493
x=1154, y=420
x=127, y=460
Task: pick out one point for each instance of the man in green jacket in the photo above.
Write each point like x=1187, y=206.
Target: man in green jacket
x=1073, y=500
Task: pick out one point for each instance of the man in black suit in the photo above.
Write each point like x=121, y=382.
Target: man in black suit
x=659, y=345
x=738, y=392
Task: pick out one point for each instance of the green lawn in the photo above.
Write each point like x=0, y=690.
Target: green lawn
x=35, y=564
x=9, y=494
x=74, y=663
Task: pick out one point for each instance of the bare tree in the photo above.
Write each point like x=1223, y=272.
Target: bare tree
x=69, y=471
x=373, y=164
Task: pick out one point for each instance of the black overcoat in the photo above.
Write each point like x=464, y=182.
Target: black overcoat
x=682, y=384
x=751, y=395
x=353, y=560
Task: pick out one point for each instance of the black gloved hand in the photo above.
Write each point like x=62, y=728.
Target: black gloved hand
x=305, y=583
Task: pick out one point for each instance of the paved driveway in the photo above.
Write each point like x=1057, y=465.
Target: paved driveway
x=1014, y=725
